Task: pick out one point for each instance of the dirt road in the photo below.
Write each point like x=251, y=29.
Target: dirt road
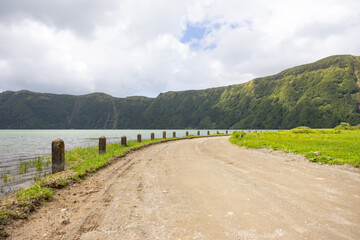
x=203, y=188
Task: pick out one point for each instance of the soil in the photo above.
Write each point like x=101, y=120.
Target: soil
x=203, y=188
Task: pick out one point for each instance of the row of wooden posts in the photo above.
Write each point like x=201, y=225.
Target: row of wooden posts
x=58, y=148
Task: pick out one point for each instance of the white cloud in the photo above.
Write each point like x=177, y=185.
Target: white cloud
x=133, y=47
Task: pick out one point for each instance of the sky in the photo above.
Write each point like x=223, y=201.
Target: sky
x=146, y=47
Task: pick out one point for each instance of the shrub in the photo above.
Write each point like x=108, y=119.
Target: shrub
x=302, y=129
x=343, y=126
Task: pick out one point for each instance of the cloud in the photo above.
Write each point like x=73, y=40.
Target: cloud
x=78, y=16
x=136, y=47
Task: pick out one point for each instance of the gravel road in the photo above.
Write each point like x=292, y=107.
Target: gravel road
x=203, y=188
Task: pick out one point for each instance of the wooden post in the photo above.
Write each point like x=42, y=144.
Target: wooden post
x=198, y=133
x=208, y=133
x=217, y=132
x=123, y=141
x=102, y=145
x=174, y=134
x=152, y=136
x=58, y=155
x=139, y=137
x=187, y=133
x=226, y=132
x=164, y=134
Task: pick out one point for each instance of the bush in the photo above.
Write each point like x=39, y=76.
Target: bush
x=302, y=129
x=238, y=134
x=343, y=126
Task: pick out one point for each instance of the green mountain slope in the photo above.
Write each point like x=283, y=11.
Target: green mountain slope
x=320, y=94
x=26, y=109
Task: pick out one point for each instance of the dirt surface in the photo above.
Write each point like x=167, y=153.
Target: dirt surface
x=203, y=188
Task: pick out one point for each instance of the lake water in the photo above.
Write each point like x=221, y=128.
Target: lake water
x=19, y=147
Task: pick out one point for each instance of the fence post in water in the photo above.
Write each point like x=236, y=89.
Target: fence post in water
x=227, y=132
x=174, y=134
x=58, y=155
x=123, y=141
x=152, y=136
x=208, y=133
x=198, y=133
x=187, y=133
x=102, y=145
x=217, y=132
x=139, y=137
x=164, y=134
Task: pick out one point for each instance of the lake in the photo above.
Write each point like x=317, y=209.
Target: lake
x=19, y=148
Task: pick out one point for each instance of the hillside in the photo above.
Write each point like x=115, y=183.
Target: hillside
x=320, y=94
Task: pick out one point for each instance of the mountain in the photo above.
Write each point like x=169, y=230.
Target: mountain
x=320, y=94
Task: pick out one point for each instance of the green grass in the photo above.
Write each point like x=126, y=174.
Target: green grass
x=5, y=176
x=23, y=167
x=84, y=160
x=40, y=162
x=26, y=196
x=330, y=146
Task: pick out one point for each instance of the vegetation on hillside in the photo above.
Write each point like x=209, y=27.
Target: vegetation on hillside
x=320, y=94
x=331, y=146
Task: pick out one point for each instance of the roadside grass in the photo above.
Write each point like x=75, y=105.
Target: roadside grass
x=329, y=146
x=85, y=160
x=27, y=195
x=80, y=162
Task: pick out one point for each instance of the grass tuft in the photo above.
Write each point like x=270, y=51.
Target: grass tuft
x=35, y=193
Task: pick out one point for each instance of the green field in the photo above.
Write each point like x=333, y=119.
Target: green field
x=330, y=146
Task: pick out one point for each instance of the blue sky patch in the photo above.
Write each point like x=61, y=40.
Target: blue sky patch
x=210, y=47
x=193, y=32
